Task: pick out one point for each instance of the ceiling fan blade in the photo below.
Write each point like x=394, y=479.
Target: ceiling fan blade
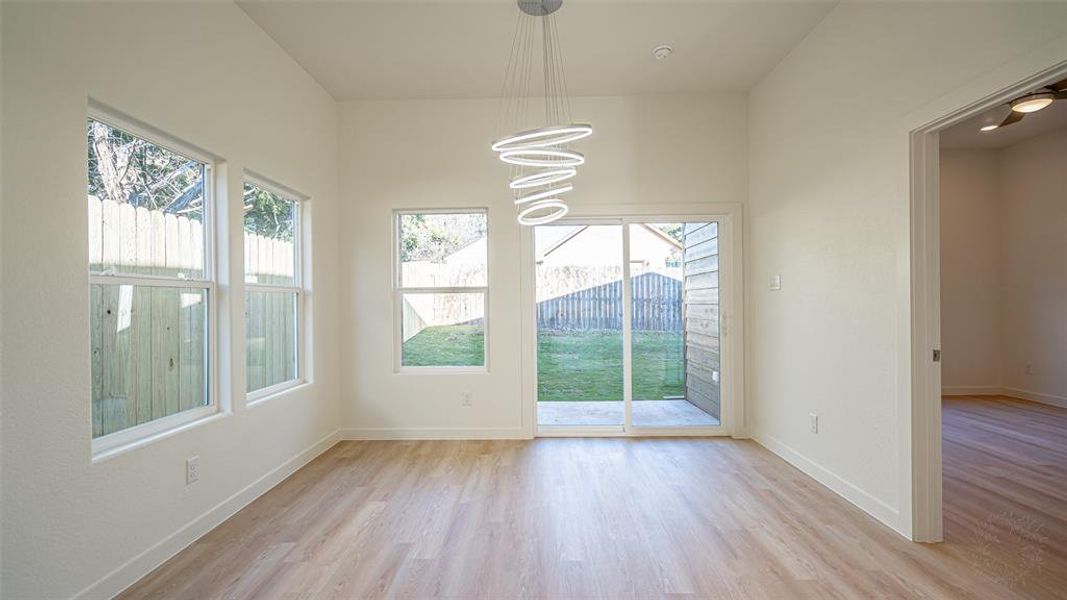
x=1013, y=117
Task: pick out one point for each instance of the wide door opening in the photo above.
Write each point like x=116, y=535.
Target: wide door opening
x=628, y=326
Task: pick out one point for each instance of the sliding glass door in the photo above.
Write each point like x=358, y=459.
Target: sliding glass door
x=628, y=326
x=579, y=272
x=674, y=324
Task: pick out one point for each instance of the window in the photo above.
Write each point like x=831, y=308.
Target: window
x=442, y=292
x=274, y=294
x=151, y=283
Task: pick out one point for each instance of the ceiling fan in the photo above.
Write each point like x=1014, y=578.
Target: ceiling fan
x=1032, y=102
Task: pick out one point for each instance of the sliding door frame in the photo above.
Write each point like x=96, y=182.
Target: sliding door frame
x=731, y=317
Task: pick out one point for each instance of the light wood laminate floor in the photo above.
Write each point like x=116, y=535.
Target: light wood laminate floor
x=634, y=518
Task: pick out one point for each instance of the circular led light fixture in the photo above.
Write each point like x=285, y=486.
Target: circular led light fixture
x=989, y=127
x=543, y=137
x=543, y=178
x=544, y=194
x=557, y=209
x=542, y=157
x=1032, y=102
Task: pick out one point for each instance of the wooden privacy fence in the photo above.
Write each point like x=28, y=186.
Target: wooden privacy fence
x=148, y=344
x=570, y=297
x=152, y=242
x=657, y=306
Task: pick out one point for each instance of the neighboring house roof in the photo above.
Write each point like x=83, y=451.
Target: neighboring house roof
x=584, y=244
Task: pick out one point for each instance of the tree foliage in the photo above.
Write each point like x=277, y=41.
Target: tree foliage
x=432, y=237
x=128, y=169
x=268, y=214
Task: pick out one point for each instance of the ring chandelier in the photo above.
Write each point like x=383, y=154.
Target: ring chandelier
x=539, y=159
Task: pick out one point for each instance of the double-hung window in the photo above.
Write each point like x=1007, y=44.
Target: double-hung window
x=441, y=289
x=274, y=292
x=151, y=282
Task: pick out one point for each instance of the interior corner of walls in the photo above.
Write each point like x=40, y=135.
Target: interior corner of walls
x=144, y=563
x=972, y=390
x=857, y=496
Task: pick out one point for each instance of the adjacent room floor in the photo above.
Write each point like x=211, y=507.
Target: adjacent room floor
x=637, y=518
x=1005, y=490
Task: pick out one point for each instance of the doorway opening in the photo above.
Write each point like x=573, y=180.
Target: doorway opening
x=940, y=344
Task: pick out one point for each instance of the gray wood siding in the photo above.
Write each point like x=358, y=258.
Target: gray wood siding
x=700, y=243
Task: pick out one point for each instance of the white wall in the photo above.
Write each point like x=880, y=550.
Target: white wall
x=829, y=210
x=68, y=522
x=1034, y=293
x=435, y=153
x=970, y=271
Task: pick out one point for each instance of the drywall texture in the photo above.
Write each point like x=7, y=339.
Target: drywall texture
x=1033, y=190
x=970, y=269
x=829, y=211
x=206, y=74
x=435, y=154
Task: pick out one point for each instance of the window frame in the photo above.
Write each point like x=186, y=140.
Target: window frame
x=298, y=287
x=399, y=290
x=118, y=441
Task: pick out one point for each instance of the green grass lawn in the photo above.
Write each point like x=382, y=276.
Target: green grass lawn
x=571, y=365
x=587, y=365
x=446, y=345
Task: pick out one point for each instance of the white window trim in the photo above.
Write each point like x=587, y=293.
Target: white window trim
x=111, y=444
x=399, y=290
x=253, y=398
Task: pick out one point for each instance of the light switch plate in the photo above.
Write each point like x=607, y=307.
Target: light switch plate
x=775, y=283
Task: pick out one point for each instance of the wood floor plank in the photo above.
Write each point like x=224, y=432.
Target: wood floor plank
x=637, y=518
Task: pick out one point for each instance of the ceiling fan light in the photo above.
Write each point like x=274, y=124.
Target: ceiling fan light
x=1032, y=102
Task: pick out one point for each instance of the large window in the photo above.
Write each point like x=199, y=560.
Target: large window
x=441, y=289
x=274, y=294
x=151, y=282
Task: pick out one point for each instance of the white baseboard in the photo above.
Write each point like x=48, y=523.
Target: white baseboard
x=972, y=390
x=1049, y=399
x=435, y=433
x=837, y=484
x=129, y=573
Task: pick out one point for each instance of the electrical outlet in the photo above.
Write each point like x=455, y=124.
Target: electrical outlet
x=467, y=399
x=813, y=422
x=1029, y=369
x=774, y=283
x=192, y=469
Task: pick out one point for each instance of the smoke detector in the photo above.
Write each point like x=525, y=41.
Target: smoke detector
x=661, y=52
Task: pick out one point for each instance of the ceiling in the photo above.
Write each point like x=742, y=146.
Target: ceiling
x=966, y=135
x=444, y=49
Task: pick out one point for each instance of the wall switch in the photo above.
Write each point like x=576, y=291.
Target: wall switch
x=192, y=469
x=1029, y=369
x=774, y=283
x=467, y=399
x=813, y=422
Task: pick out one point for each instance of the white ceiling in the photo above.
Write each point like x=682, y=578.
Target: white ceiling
x=966, y=135
x=445, y=49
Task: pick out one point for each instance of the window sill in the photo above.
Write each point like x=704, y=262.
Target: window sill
x=121, y=442
x=277, y=390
